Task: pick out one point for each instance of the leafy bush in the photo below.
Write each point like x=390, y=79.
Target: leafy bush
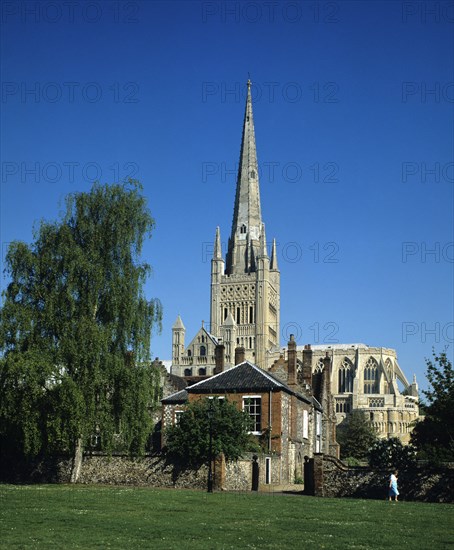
x=392, y=453
x=355, y=436
x=434, y=436
x=189, y=440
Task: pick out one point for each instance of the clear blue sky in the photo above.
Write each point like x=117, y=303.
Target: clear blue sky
x=354, y=105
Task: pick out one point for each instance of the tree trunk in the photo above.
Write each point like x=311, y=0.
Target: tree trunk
x=77, y=461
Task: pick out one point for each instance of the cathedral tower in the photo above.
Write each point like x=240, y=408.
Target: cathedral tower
x=245, y=289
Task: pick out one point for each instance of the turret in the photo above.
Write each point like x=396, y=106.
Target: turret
x=178, y=334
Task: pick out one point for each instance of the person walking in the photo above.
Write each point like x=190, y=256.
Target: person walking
x=393, y=490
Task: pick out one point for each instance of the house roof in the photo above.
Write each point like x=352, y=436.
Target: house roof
x=243, y=377
x=175, y=398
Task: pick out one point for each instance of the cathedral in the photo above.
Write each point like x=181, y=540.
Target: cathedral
x=245, y=313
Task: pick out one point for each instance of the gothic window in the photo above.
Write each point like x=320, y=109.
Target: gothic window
x=202, y=371
x=189, y=353
x=203, y=351
x=238, y=318
x=243, y=229
x=371, y=376
x=188, y=372
x=203, y=339
x=342, y=406
x=225, y=313
x=252, y=405
x=319, y=366
x=252, y=174
x=345, y=377
x=251, y=314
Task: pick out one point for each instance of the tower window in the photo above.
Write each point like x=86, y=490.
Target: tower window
x=371, y=381
x=345, y=377
x=203, y=351
x=243, y=229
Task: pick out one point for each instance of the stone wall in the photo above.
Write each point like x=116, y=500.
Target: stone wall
x=332, y=478
x=152, y=471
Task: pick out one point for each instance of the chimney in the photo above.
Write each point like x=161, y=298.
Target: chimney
x=291, y=362
x=239, y=355
x=307, y=365
x=219, y=357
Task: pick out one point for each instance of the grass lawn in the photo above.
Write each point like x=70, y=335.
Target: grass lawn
x=62, y=516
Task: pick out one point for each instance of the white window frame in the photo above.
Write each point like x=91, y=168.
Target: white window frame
x=254, y=397
x=305, y=424
x=177, y=415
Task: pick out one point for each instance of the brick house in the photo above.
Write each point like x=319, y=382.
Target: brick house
x=288, y=420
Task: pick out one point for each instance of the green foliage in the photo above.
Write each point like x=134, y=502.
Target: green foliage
x=355, y=436
x=75, y=328
x=434, y=436
x=391, y=454
x=189, y=439
x=352, y=461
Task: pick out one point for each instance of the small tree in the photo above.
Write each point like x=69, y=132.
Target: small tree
x=189, y=438
x=355, y=436
x=392, y=453
x=434, y=436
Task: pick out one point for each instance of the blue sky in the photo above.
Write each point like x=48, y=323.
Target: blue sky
x=353, y=109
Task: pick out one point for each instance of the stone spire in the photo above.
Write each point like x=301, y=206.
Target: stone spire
x=247, y=220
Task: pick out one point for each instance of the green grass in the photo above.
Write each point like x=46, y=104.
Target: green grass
x=61, y=516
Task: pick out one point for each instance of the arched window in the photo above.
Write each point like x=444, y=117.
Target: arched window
x=345, y=377
x=188, y=372
x=189, y=353
x=238, y=313
x=319, y=366
x=243, y=229
x=203, y=351
x=202, y=371
x=371, y=376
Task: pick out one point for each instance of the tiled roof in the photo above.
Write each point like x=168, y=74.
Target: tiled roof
x=178, y=397
x=243, y=377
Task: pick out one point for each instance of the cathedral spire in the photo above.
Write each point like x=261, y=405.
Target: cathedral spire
x=247, y=219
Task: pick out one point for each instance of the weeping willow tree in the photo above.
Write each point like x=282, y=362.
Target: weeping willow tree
x=75, y=330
